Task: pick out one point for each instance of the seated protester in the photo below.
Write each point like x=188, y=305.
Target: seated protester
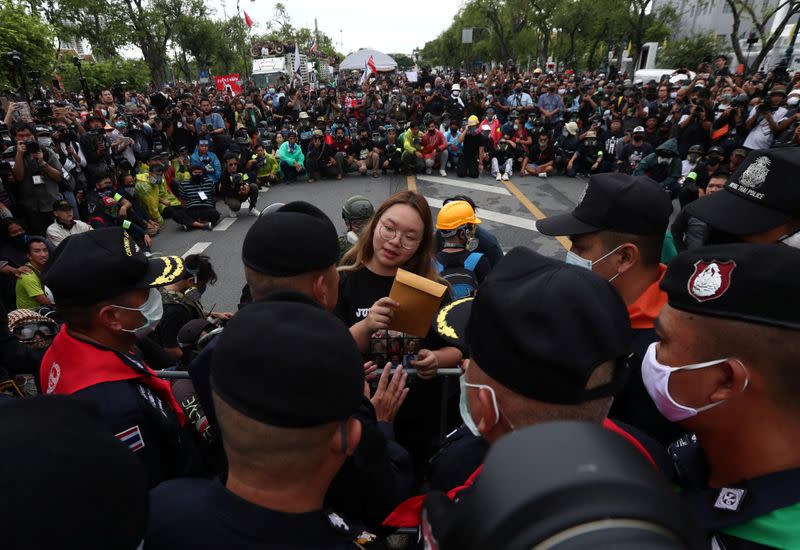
x=197, y=198
x=136, y=212
x=689, y=232
x=611, y=142
x=434, y=149
x=587, y=157
x=106, y=291
x=412, y=158
x=400, y=235
x=236, y=188
x=291, y=159
x=362, y=154
x=726, y=356
x=61, y=446
x=454, y=146
x=566, y=145
x=154, y=195
x=340, y=143
x=320, y=161
x=494, y=125
x=512, y=380
x=630, y=153
x=30, y=291
x=262, y=167
x=694, y=156
x=503, y=159
x=391, y=151
x=457, y=262
x=180, y=166
x=663, y=167
x=65, y=223
x=695, y=184
x=540, y=159
x=181, y=302
x=288, y=421
x=105, y=208
x=208, y=159
x=522, y=140
x=474, y=143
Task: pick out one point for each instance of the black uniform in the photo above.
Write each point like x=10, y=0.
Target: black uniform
x=201, y=513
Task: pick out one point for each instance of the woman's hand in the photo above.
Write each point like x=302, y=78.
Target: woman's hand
x=427, y=364
x=381, y=314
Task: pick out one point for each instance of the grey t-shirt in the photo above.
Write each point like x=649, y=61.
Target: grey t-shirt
x=37, y=191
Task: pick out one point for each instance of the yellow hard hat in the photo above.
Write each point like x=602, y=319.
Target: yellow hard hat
x=454, y=215
x=472, y=121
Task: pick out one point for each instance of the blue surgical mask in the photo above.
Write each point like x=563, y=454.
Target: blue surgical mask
x=151, y=310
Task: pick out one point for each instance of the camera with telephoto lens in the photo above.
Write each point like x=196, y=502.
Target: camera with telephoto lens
x=236, y=180
x=32, y=147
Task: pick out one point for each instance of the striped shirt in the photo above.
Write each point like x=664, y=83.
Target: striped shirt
x=192, y=192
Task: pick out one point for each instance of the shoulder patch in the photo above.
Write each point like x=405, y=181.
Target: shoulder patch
x=132, y=438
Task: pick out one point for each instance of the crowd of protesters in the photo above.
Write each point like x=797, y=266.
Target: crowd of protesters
x=306, y=399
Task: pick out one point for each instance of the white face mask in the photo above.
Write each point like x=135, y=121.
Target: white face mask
x=580, y=261
x=463, y=405
x=656, y=380
x=456, y=93
x=673, y=95
x=45, y=141
x=151, y=310
x=792, y=101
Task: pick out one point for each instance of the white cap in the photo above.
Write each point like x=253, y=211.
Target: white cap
x=456, y=87
x=796, y=91
x=303, y=114
x=486, y=128
x=638, y=130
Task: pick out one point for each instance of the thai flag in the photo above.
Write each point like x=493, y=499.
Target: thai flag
x=371, y=65
x=132, y=437
x=313, y=49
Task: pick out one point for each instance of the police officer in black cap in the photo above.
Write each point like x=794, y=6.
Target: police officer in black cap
x=726, y=369
x=617, y=231
x=760, y=203
x=286, y=413
x=546, y=341
x=106, y=290
x=295, y=249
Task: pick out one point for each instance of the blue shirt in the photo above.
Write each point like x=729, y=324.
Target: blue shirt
x=214, y=120
x=551, y=102
x=522, y=100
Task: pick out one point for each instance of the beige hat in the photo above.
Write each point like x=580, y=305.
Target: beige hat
x=572, y=128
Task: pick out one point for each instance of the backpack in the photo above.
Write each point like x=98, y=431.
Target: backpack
x=462, y=279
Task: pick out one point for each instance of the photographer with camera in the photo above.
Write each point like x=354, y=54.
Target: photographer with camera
x=236, y=188
x=211, y=127
x=262, y=166
x=766, y=120
x=37, y=173
x=181, y=130
x=96, y=147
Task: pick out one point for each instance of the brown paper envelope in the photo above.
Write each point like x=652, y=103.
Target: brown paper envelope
x=419, y=300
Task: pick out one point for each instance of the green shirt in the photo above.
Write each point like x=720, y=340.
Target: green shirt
x=28, y=286
x=780, y=528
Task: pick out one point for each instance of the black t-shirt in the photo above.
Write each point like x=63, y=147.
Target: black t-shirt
x=359, y=150
x=538, y=156
x=202, y=513
x=172, y=321
x=631, y=154
x=417, y=422
x=472, y=144
x=181, y=137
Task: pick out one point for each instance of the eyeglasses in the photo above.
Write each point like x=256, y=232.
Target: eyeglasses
x=30, y=330
x=389, y=233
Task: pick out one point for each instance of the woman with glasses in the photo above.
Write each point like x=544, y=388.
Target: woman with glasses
x=399, y=235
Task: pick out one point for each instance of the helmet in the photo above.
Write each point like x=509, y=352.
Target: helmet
x=472, y=121
x=357, y=207
x=454, y=215
x=696, y=149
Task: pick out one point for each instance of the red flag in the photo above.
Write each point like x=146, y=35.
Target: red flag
x=248, y=21
x=371, y=65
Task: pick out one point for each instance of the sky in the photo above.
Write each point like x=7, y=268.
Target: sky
x=393, y=27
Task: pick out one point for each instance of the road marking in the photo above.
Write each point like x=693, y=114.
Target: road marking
x=507, y=219
x=533, y=209
x=411, y=181
x=197, y=248
x=467, y=185
x=225, y=224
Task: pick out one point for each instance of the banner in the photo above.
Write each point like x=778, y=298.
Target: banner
x=228, y=81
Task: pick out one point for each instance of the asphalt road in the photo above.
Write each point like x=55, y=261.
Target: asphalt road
x=508, y=209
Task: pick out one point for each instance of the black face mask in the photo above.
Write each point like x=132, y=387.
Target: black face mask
x=713, y=160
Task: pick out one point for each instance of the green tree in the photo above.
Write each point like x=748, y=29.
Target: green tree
x=688, y=52
x=768, y=24
x=27, y=34
x=404, y=62
x=105, y=73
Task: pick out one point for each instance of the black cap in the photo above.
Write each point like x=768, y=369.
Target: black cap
x=540, y=327
x=754, y=283
x=259, y=369
x=61, y=204
x=761, y=194
x=295, y=239
x=614, y=202
x=56, y=446
x=100, y=264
